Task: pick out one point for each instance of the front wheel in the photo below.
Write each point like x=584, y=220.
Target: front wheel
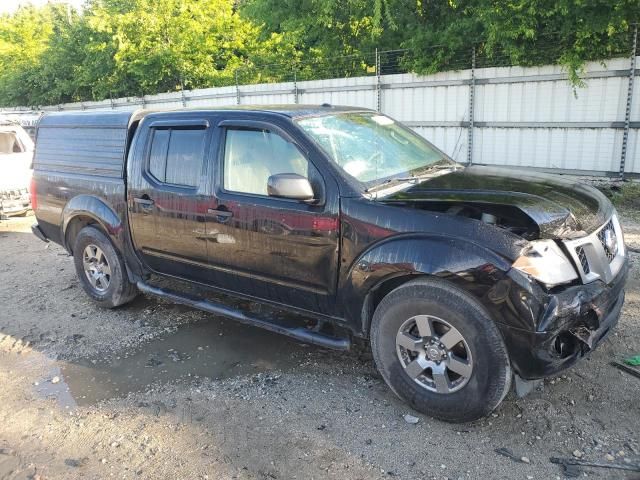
x=101, y=270
x=438, y=350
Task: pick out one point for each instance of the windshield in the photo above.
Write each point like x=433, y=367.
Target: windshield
x=372, y=148
x=10, y=143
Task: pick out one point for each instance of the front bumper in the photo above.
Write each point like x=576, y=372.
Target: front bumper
x=572, y=323
x=14, y=202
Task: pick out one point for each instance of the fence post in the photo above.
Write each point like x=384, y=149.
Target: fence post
x=378, y=90
x=295, y=85
x=627, y=115
x=237, y=89
x=472, y=88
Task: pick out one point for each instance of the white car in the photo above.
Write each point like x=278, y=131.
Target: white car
x=16, y=154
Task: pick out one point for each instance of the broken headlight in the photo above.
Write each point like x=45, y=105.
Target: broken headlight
x=546, y=262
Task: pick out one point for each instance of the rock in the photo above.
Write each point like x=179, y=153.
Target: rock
x=609, y=458
x=411, y=419
x=115, y=444
x=55, y=379
x=578, y=453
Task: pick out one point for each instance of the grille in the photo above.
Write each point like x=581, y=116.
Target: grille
x=583, y=259
x=16, y=194
x=601, y=236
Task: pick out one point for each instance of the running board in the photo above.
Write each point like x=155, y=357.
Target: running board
x=299, y=333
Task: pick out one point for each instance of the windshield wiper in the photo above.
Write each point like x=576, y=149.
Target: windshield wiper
x=429, y=172
x=426, y=173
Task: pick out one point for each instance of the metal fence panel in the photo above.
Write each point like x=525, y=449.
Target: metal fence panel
x=523, y=116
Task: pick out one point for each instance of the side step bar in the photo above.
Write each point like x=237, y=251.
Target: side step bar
x=299, y=333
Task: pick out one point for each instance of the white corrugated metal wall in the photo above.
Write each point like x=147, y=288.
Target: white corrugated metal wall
x=523, y=116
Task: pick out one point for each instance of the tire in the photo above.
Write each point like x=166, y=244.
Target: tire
x=456, y=382
x=110, y=289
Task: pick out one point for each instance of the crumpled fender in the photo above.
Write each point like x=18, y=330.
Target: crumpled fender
x=98, y=210
x=456, y=259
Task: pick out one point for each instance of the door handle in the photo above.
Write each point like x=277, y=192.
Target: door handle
x=145, y=202
x=223, y=215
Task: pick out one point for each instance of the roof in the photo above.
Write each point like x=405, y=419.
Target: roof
x=293, y=111
x=122, y=118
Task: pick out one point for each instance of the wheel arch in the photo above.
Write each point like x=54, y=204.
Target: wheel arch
x=392, y=263
x=85, y=210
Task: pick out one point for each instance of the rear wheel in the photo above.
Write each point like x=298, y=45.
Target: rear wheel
x=438, y=349
x=101, y=269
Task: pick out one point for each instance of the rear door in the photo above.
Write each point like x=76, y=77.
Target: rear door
x=279, y=249
x=167, y=194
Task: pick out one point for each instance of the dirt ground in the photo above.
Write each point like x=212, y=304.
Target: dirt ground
x=154, y=390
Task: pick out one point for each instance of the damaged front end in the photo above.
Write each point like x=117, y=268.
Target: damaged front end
x=570, y=320
x=14, y=202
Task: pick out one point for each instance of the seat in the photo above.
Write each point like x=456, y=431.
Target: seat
x=245, y=168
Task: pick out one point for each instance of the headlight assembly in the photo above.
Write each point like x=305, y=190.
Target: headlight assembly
x=545, y=261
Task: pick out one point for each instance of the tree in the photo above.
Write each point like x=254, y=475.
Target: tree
x=116, y=48
x=23, y=40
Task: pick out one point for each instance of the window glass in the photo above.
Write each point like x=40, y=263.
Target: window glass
x=184, y=158
x=158, y=154
x=176, y=155
x=252, y=156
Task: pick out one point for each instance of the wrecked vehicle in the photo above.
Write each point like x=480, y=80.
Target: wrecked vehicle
x=16, y=152
x=462, y=278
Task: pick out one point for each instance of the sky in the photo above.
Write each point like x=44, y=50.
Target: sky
x=9, y=6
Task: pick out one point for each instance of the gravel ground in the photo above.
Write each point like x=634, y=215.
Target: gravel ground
x=155, y=390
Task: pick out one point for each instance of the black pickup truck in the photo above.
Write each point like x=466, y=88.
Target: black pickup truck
x=463, y=278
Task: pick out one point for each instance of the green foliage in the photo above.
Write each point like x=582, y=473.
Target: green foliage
x=115, y=48
x=119, y=48
x=623, y=195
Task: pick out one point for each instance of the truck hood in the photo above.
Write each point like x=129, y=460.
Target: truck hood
x=561, y=208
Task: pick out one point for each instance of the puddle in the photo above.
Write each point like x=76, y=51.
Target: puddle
x=213, y=349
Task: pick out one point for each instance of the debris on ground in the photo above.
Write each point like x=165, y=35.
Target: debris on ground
x=505, y=452
x=625, y=368
x=633, y=361
x=411, y=419
x=570, y=464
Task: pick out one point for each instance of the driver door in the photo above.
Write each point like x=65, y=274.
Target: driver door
x=278, y=249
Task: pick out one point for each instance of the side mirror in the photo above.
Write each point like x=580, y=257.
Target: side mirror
x=289, y=185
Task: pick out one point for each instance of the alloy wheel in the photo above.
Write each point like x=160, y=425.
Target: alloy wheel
x=96, y=268
x=434, y=354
